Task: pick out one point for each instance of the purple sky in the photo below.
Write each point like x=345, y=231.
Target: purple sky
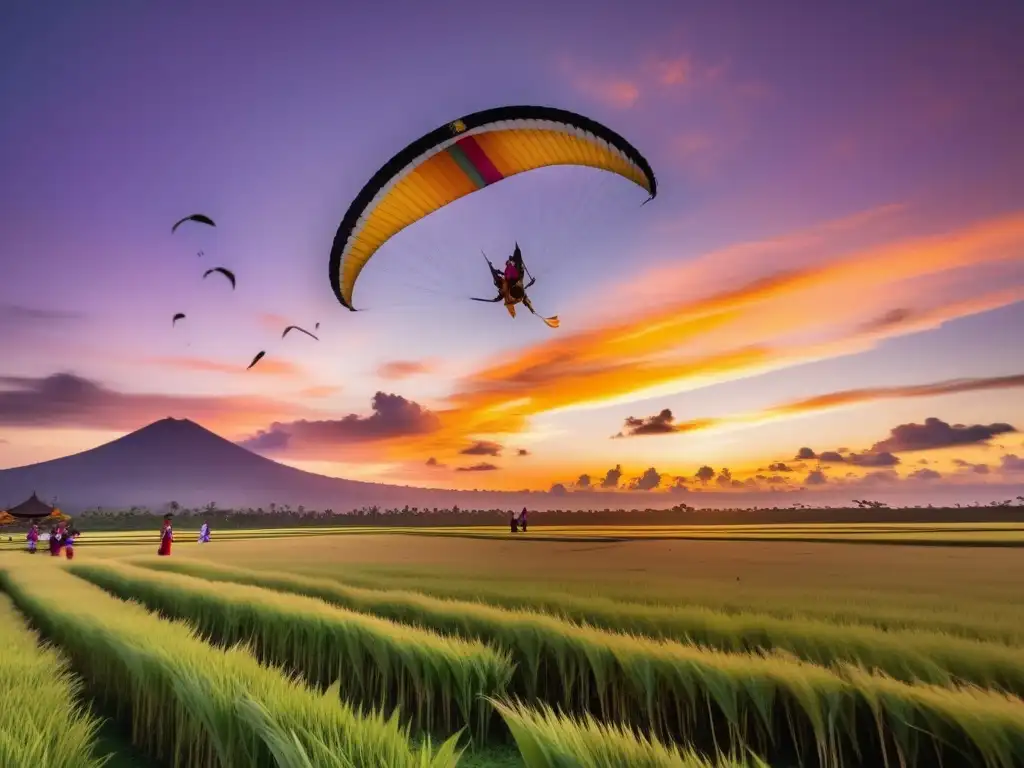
x=784, y=136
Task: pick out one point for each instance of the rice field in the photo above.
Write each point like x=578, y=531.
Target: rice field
x=465, y=647
x=911, y=534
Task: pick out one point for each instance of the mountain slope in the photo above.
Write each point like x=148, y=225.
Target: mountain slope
x=176, y=459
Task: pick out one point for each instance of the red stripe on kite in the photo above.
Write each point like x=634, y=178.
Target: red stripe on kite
x=476, y=155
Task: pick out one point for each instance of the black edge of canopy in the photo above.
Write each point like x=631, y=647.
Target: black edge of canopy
x=445, y=132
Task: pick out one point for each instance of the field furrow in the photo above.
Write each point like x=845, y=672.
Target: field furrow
x=42, y=721
x=775, y=704
x=435, y=681
x=191, y=704
x=538, y=641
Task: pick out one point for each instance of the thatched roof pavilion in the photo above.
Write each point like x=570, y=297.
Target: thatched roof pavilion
x=31, y=509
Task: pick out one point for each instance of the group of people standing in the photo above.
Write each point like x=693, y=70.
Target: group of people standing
x=517, y=522
x=62, y=538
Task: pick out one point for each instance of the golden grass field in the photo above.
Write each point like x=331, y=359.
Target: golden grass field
x=603, y=647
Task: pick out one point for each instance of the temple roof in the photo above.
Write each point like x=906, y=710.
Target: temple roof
x=31, y=507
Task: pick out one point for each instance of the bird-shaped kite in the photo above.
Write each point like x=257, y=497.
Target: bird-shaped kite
x=226, y=272
x=301, y=330
x=196, y=217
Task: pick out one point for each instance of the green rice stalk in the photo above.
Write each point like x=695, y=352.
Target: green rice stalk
x=549, y=740
x=42, y=721
x=908, y=656
x=181, y=694
x=773, y=702
x=993, y=622
x=436, y=682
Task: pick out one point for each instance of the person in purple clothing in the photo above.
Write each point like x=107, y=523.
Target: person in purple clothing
x=522, y=519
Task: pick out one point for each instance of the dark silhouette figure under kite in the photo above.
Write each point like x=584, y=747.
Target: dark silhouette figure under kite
x=226, y=272
x=196, y=217
x=510, y=287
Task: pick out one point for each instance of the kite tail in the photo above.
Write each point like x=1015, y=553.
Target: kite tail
x=551, y=322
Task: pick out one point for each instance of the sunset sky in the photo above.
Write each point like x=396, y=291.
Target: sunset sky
x=834, y=261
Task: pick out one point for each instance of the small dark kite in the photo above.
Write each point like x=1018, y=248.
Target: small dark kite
x=301, y=330
x=226, y=272
x=196, y=217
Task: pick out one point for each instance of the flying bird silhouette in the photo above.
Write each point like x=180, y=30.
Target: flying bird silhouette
x=256, y=359
x=226, y=272
x=196, y=217
x=301, y=330
x=177, y=317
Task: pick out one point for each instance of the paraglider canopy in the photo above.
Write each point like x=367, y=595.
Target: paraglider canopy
x=462, y=157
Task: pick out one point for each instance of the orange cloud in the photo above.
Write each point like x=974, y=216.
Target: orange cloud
x=672, y=72
x=699, y=153
x=268, y=366
x=273, y=322
x=613, y=90
x=403, y=369
x=760, y=326
x=325, y=390
x=664, y=423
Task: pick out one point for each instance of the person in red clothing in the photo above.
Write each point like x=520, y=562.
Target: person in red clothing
x=512, y=273
x=510, y=287
x=57, y=540
x=166, y=538
x=69, y=543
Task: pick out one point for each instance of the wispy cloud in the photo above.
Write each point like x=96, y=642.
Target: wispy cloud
x=759, y=326
x=664, y=422
x=319, y=391
x=15, y=315
x=403, y=369
x=68, y=400
x=672, y=72
x=268, y=366
x=482, y=467
x=700, y=153
x=273, y=323
x=607, y=88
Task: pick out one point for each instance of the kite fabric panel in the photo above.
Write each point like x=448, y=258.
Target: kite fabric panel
x=463, y=157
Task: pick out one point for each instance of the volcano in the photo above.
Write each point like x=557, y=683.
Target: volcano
x=179, y=460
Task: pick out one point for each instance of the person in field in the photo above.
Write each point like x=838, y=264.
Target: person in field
x=166, y=538
x=69, y=543
x=522, y=519
x=57, y=541
x=32, y=537
x=51, y=538
x=512, y=522
x=204, y=533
